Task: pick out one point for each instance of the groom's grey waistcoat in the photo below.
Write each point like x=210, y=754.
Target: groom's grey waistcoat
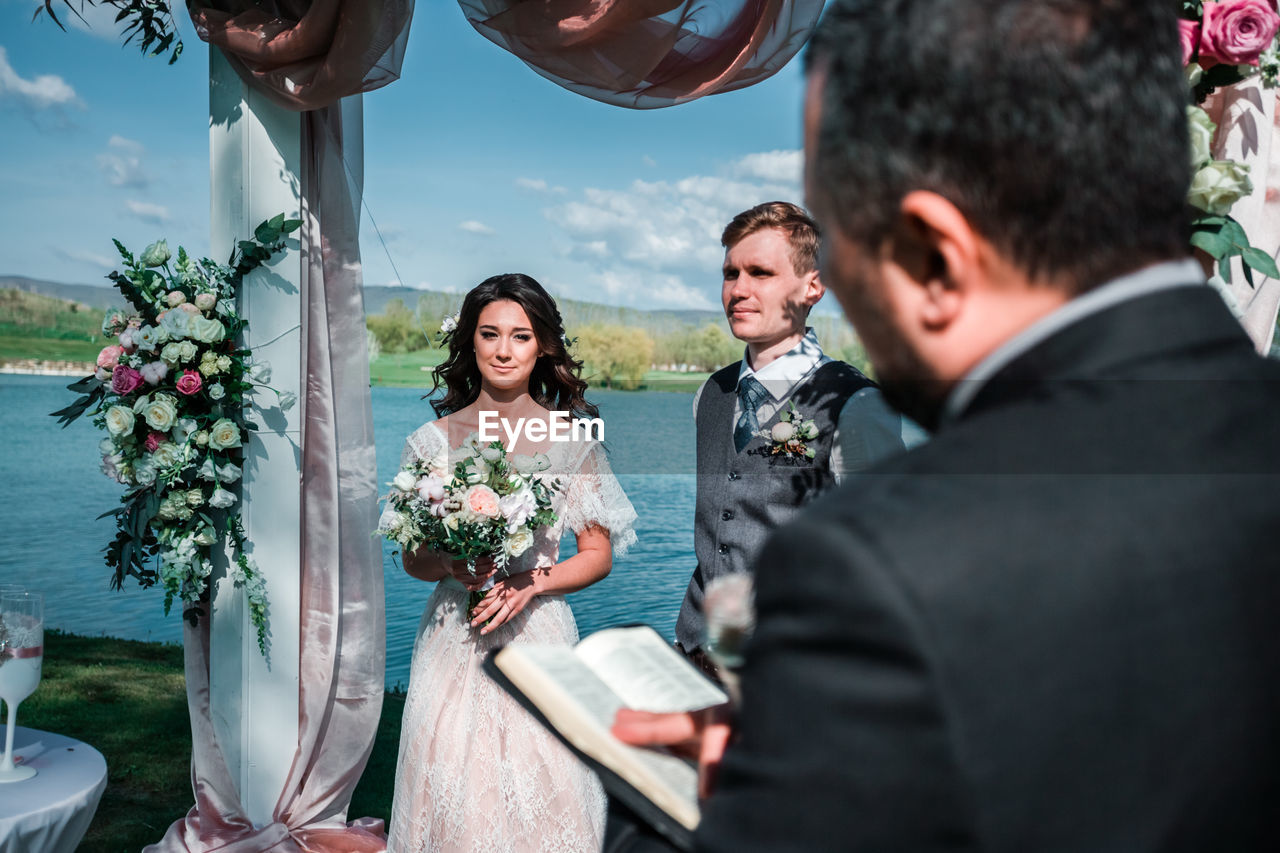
x=742, y=497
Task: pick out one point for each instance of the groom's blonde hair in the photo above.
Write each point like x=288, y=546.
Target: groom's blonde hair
x=791, y=219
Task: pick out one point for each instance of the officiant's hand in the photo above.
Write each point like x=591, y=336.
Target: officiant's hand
x=701, y=735
x=507, y=598
x=484, y=569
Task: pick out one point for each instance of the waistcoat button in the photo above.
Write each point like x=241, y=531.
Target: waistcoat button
x=727, y=514
x=724, y=549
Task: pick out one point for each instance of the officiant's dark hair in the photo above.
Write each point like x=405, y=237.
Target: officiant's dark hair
x=556, y=380
x=1057, y=127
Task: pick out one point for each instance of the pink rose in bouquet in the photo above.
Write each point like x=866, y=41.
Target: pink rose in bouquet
x=1189, y=36
x=189, y=382
x=110, y=356
x=1237, y=31
x=125, y=380
x=483, y=501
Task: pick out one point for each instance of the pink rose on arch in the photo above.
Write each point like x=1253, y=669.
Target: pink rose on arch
x=153, y=441
x=1237, y=31
x=483, y=501
x=1189, y=36
x=110, y=356
x=190, y=382
x=124, y=380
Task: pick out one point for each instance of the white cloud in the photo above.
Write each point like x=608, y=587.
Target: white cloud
x=471, y=226
x=99, y=21
x=779, y=167
x=156, y=214
x=663, y=237
x=81, y=256
x=539, y=185
x=122, y=163
x=41, y=92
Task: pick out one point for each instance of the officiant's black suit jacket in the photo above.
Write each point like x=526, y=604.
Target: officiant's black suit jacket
x=1055, y=627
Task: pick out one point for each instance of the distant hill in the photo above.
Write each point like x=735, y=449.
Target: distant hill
x=93, y=295
x=834, y=332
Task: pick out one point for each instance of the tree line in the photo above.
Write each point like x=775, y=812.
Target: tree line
x=615, y=353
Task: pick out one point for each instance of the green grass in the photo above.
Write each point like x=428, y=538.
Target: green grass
x=128, y=700
x=405, y=369
x=15, y=348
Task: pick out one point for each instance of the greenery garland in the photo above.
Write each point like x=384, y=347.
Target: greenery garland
x=170, y=394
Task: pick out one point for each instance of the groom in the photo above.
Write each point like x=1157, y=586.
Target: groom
x=749, y=482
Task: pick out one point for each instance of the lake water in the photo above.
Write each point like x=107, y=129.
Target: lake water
x=51, y=493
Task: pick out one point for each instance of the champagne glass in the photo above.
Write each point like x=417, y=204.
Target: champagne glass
x=21, y=655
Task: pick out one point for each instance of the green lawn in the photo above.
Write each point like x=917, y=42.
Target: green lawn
x=15, y=347
x=128, y=699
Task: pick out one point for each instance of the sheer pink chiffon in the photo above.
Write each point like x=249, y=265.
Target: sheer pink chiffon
x=476, y=773
x=648, y=53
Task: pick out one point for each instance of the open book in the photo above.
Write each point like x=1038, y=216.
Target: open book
x=576, y=691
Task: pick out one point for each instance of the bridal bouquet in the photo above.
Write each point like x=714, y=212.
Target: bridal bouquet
x=487, y=504
x=169, y=392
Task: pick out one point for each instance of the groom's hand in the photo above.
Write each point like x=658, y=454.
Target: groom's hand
x=701, y=735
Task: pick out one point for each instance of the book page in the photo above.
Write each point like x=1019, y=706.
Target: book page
x=646, y=673
x=564, y=668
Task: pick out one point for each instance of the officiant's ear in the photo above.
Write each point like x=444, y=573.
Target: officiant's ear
x=939, y=253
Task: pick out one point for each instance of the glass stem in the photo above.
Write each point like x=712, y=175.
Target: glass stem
x=7, y=764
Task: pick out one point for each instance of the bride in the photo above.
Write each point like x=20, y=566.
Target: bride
x=476, y=772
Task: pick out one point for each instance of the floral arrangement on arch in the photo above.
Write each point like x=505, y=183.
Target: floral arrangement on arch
x=170, y=395
x=1223, y=43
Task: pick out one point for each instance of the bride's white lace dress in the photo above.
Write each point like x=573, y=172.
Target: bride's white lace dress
x=476, y=772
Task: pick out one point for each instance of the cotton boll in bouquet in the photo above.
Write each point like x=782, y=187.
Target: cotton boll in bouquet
x=482, y=503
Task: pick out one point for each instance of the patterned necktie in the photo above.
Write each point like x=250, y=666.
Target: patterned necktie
x=750, y=394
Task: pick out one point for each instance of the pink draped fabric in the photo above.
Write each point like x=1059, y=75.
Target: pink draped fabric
x=1249, y=131
x=645, y=54
x=307, y=56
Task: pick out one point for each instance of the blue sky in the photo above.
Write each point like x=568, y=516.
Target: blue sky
x=474, y=165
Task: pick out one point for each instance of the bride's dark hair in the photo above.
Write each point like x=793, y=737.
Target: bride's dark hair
x=555, y=382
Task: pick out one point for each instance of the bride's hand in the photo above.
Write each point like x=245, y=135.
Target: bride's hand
x=507, y=598
x=484, y=569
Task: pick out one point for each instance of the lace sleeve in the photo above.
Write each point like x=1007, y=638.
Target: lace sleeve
x=422, y=443
x=593, y=496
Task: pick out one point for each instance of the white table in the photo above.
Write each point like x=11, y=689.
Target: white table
x=50, y=812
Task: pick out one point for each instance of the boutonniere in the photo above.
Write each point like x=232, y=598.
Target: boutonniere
x=789, y=435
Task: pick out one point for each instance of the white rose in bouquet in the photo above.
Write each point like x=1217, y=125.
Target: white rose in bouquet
x=166, y=455
x=120, y=420
x=144, y=472
x=783, y=432
x=161, y=413
x=1202, y=128
x=224, y=434
x=207, y=330
x=518, y=542
x=1218, y=185
x=403, y=481
x=491, y=454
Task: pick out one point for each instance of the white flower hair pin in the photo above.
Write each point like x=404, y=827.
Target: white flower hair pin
x=448, y=326
x=789, y=436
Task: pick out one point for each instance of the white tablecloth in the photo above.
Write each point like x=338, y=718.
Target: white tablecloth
x=50, y=812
